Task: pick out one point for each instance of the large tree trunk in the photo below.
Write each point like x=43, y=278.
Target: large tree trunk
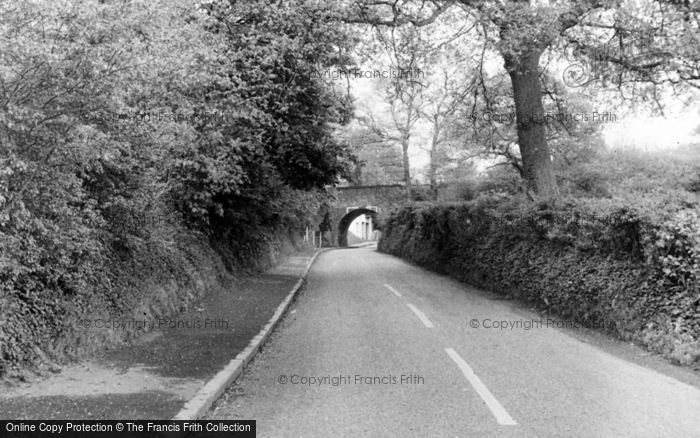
x=537, y=163
x=406, y=166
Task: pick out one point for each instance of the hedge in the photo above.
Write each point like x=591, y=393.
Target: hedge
x=599, y=263
x=42, y=323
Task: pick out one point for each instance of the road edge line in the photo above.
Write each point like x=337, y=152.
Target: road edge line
x=215, y=387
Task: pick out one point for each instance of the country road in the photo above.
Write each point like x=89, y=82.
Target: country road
x=377, y=347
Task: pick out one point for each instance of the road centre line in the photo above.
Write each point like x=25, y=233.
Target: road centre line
x=424, y=319
x=397, y=293
x=497, y=410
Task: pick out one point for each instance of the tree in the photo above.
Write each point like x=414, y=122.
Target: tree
x=522, y=31
x=485, y=123
x=279, y=133
x=379, y=159
x=404, y=99
x=426, y=91
x=444, y=97
x=404, y=48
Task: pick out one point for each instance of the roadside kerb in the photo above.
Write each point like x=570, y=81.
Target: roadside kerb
x=214, y=388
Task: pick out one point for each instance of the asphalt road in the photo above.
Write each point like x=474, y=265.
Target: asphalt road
x=380, y=348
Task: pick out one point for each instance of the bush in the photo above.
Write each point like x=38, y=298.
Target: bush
x=497, y=181
x=598, y=262
x=632, y=172
x=587, y=181
x=421, y=193
x=694, y=184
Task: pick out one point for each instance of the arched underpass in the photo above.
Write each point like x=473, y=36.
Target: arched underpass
x=345, y=221
x=353, y=201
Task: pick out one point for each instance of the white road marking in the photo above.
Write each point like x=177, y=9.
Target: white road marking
x=496, y=409
x=424, y=319
x=397, y=293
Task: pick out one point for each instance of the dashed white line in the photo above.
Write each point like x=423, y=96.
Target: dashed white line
x=424, y=319
x=497, y=410
x=397, y=293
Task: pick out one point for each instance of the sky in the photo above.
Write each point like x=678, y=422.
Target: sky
x=653, y=134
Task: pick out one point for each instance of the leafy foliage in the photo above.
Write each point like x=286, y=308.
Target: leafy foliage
x=280, y=130
x=123, y=122
x=599, y=262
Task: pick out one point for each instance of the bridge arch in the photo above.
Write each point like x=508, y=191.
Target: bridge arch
x=350, y=202
x=348, y=218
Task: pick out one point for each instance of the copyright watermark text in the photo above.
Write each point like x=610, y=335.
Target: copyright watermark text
x=154, y=324
x=532, y=324
x=351, y=379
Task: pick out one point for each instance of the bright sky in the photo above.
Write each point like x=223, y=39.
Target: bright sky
x=651, y=134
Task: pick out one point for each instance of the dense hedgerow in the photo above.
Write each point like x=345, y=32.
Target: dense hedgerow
x=598, y=262
x=147, y=149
